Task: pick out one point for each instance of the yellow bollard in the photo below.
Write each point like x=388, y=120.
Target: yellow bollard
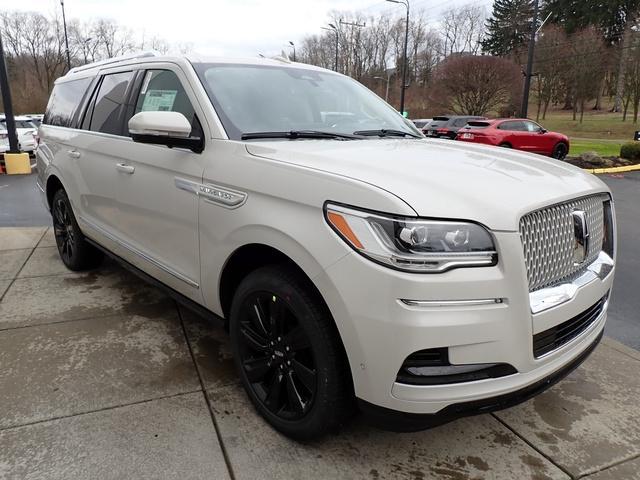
x=17, y=163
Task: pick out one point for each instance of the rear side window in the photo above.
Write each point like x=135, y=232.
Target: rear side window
x=64, y=101
x=109, y=108
x=460, y=122
x=162, y=91
x=513, y=126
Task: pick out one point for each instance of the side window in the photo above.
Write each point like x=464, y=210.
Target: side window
x=460, y=122
x=532, y=127
x=64, y=101
x=108, y=111
x=512, y=126
x=162, y=92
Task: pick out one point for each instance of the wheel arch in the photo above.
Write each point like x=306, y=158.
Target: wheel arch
x=252, y=256
x=53, y=185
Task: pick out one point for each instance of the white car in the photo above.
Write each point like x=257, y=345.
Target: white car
x=354, y=262
x=27, y=133
x=4, y=141
x=36, y=118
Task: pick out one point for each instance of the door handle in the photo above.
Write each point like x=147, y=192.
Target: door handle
x=73, y=153
x=121, y=167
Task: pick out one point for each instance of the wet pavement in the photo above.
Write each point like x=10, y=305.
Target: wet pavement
x=102, y=376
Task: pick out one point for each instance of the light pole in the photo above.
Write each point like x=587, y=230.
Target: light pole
x=404, y=58
x=389, y=73
x=294, y=49
x=333, y=28
x=527, y=79
x=66, y=38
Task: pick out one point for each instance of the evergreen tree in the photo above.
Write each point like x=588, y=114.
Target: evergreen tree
x=509, y=27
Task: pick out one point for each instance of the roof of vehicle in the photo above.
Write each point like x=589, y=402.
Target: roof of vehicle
x=151, y=56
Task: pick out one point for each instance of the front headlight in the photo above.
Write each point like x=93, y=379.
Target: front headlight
x=411, y=244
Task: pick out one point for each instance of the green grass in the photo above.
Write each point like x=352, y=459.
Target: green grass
x=601, y=132
x=598, y=125
x=604, y=148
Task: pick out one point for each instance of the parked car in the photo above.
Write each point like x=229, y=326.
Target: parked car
x=421, y=123
x=353, y=262
x=36, y=118
x=520, y=134
x=26, y=131
x=4, y=140
x=447, y=127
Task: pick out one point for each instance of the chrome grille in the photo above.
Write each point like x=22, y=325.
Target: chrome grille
x=548, y=240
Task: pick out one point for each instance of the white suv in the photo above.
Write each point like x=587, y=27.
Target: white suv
x=354, y=262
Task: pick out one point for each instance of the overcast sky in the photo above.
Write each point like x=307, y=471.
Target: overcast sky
x=228, y=27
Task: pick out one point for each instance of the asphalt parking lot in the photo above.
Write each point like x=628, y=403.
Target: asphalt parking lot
x=104, y=377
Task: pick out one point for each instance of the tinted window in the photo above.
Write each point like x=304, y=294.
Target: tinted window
x=162, y=91
x=513, y=126
x=64, y=100
x=109, y=106
x=460, y=122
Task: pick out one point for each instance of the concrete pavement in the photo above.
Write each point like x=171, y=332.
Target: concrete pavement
x=102, y=376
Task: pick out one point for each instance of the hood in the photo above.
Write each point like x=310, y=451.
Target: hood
x=444, y=179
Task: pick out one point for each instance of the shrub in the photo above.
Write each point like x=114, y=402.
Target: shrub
x=630, y=151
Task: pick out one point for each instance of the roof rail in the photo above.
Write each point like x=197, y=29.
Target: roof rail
x=128, y=56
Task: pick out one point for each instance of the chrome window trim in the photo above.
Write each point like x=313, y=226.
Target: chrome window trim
x=141, y=254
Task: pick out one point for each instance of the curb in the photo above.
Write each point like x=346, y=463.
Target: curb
x=629, y=168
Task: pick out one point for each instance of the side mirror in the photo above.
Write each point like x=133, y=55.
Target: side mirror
x=164, y=128
x=543, y=130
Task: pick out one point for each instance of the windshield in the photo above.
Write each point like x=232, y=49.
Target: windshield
x=258, y=98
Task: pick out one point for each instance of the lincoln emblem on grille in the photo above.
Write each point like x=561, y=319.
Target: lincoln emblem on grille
x=581, y=236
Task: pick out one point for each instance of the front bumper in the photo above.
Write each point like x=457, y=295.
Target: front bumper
x=379, y=331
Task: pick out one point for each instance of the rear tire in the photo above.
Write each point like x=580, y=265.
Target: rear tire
x=288, y=354
x=76, y=253
x=560, y=151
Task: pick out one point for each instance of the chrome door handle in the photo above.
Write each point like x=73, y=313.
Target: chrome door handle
x=73, y=153
x=121, y=167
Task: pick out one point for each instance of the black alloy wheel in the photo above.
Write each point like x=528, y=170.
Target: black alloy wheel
x=63, y=230
x=276, y=356
x=76, y=253
x=288, y=353
x=560, y=151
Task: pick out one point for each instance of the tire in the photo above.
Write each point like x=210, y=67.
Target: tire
x=505, y=145
x=288, y=354
x=76, y=253
x=560, y=151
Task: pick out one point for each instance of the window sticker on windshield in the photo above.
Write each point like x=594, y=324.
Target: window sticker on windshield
x=159, y=100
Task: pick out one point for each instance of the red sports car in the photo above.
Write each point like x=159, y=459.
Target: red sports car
x=521, y=134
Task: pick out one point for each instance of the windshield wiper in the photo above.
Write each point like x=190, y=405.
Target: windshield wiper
x=294, y=134
x=383, y=132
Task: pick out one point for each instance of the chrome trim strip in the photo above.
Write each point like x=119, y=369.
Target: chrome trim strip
x=451, y=303
x=186, y=185
x=546, y=298
x=211, y=193
x=141, y=254
x=39, y=186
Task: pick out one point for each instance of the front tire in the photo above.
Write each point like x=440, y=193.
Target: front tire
x=288, y=354
x=76, y=253
x=560, y=151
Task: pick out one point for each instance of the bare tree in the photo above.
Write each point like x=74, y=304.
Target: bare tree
x=463, y=29
x=475, y=85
